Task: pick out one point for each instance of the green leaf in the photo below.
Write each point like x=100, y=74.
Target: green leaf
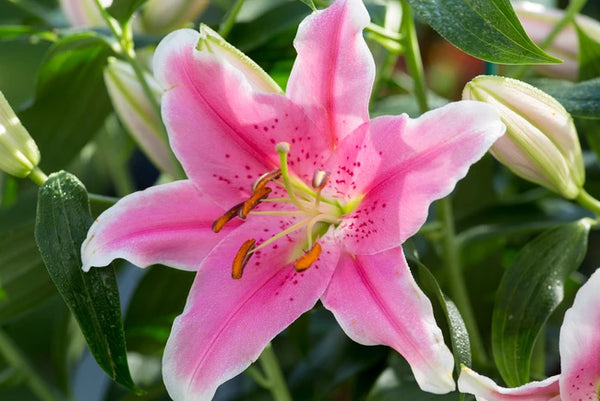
x=531, y=289
x=122, y=10
x=23, y=279
x=71, y=72
x=461, y=346
x=63, y=219
x=581, y=99
x=589, y=56
x=158, y=299
x=486, y=29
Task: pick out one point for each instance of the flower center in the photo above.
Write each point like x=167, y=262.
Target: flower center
x=315, y=213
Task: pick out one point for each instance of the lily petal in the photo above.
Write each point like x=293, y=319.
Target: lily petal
x=222, y=130
x=168, y=224
x=227, y=323
x=580, y=345
x=376, y=301
x=334, y=72
x=485, y=389
x=401, y=165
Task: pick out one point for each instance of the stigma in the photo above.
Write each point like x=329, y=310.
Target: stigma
x=315, y=213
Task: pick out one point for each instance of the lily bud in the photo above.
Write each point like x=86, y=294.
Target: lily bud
x=137, y=113
x=538, y=21
x=541, y=143
x=160, y=16
x=19, y=154
x=84, y=13
x=211, y=42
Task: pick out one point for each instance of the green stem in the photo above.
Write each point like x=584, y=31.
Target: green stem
x=38, y=176
x=571, y=11
x=13, y=355
x=458, y=287
x=230, y=17
x=413, y=56
x=452, y=261
x=588, y=201
x=124, y=37
x=270, y=364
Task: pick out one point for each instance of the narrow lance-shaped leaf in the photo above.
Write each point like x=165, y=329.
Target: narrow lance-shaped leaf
x=461, y=346
x=530, y=291
x=589, y=56
x=63, y=219
x=487, y=29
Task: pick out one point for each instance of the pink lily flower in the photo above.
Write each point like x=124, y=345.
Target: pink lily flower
x=579, y=346
x=335, y=195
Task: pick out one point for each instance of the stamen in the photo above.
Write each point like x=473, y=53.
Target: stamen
x=305, y=261
x=265, y=179
x=283, y=148
x=320, y=178
x=228, y=215
x=253, y=201
x=241, y=258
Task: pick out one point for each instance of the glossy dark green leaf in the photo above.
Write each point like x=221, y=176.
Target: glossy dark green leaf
x=159, y=297
x=487, y=29
x=23, y=278
x=63, y=219
x=531, y=289
x=589, y=56
x=71, y=72
x=461, y=346
x=581, y=99
x=122, y=10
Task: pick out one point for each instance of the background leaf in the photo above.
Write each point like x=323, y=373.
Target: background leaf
x=122, y=10
x=63, y=219
x=581, y=99
x=589, y=56
x=529, y=292
x=71, y=72
x=486, y=29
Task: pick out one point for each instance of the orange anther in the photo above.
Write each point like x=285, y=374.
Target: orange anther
x=253, y=201
x=305, y=261
x=241, y=258
x=228, y=215
x=265, y=179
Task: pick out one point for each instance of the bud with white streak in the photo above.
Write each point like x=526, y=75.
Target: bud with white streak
x=84, y=13
x=541, y=143
x=19, y=155
x=538, y=21
x=161, y=16
x=136, y=112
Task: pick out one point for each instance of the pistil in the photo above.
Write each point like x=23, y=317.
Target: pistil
x=308, y=205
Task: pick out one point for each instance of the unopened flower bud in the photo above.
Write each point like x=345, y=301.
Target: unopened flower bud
x=538, y=21
x=136, y=112
x=19, y=154
x=541, y=143
x=84, y=13
x=160, y=16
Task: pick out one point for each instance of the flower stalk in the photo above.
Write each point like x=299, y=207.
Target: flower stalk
x=274, y=377
x=458, y=287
